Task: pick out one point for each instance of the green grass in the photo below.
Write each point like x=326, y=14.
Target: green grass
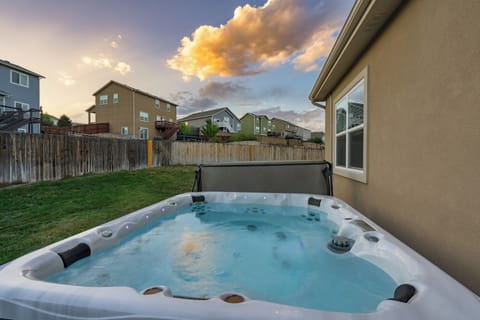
x=36, y=215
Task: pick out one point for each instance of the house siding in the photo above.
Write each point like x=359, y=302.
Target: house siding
x=423, y=133
x=30, y=95
x=126, y=113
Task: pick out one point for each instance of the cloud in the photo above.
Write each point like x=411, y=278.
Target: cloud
x=123, y=68
x=222, y=90
x=189, y=103
x=114, y=44
x=102, y=62
x=66, y=79
x=255, y=39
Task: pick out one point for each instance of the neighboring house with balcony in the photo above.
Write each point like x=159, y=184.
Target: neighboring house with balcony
x=401, y=95
x=259, y=125
x=304, y=134
x=19, y=98
x=132, y=112
x=225, y=119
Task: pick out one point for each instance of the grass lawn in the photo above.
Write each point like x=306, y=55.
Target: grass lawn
x=35, y=215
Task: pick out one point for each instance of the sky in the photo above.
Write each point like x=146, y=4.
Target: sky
x=248, y=55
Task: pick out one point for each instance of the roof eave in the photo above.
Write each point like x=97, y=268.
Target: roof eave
x=365, y=20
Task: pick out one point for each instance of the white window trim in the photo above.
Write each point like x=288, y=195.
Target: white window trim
x=143, y=119
x=140, y=133
x=355, y=174
x=168, y=107
x=19, y=75
x=115, y=98
x=100, y=99
x=124, y=131
x=24, y=107
x=157, y=103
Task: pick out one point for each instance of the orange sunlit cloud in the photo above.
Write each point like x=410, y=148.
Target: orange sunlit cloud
x=281, y=31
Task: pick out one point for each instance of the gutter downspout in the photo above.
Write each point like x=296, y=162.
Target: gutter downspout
x=133, y=113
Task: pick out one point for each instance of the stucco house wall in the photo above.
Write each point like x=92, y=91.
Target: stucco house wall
x=423, y=114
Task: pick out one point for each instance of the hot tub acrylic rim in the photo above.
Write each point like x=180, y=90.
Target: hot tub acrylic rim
x=23, y=270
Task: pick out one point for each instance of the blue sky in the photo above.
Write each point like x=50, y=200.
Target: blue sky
x=250, y=56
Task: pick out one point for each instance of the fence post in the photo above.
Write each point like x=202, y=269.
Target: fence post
x=149, y=153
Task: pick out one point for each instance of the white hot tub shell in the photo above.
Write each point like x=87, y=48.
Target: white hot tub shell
x=25, y=295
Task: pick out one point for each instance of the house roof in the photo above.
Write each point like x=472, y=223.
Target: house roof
x=364, y=22
x=254, y=114
x=133, y=89
x=285, y=121
x=207, y=114
x=91, y=109
x=19, y=68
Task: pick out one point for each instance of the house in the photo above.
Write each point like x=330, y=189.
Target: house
x=133, y=112
x=304, y=133
x=225, y=119
x=19, y=98
x=256, y=124
x=401, y=96
x=283, y=128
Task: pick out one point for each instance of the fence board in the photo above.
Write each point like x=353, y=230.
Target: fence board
x=28, y=158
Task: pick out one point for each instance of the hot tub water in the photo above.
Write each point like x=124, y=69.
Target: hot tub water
x=272, y=253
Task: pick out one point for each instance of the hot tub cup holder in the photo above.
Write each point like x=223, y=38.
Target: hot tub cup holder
x=106, y=233
x=232, y=297
x=164, y=290
x=373, y=237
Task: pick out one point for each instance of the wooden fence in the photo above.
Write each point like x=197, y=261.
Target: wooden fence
x=184, y=153
x=29, y=158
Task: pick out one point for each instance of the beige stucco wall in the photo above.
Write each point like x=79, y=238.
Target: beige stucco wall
x=122, y=114
x=423, y=182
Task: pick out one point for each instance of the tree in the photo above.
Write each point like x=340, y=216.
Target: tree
x=184, y=129
x=64, y=121
x=210, y=129
x=47, y=119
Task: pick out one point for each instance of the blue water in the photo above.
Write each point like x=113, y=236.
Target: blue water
x=272, y=253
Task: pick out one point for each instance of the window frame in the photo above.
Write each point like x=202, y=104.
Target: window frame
x=100, y=99
x=140, y=133
x=124, y=131
x=115, y=98
x=3, y=100
x=20, y=74
x=24, y=106
x=157, y=104
x=168, y=107
x=346, y=171
x=143, y=118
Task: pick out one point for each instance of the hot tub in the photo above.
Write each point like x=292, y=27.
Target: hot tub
x=215, y=255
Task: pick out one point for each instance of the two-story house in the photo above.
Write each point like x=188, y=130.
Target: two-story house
x=132, y=112
x=282, y=128
x=256, y=124
x=225, y=119
x=19, y=98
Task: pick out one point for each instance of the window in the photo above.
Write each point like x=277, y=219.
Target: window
x=143, y=116
x=2, y=103
x=103, y=99
x=115, y=98
x=144, y=133
x=22, y=130
x=168, y=107
x=159, y=118
x=21, y=105
x=124, y=131
x=350, y=130
x=157, y=103
x=19, y=78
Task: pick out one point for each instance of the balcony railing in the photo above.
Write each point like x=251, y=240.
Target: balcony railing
x=164, y=125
